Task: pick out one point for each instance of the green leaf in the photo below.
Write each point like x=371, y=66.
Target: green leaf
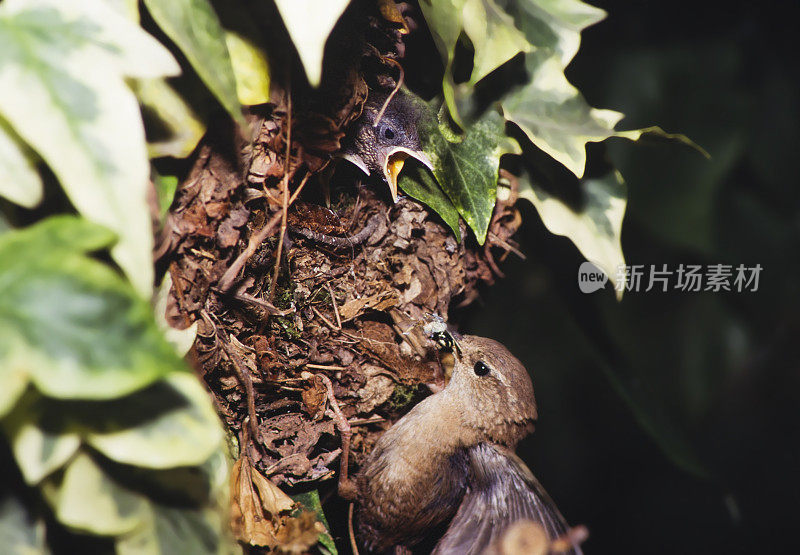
x=417, y=182
x=195, y=28
x=15, y=380
x=554, y=115
x=466, y=165
x=494, y=37
x=554, y=25
x=552, y=112
x=19, y=181
x=169, y=424
x=309, y=23
x=87, y=499
x=175, y=118
x=200, y=527
x=171, y=530
x=445, y=21
x=310, y=502
x=63, y=90
x=70, y=322
x=251, y=69
x=595, y=228
x=166, y=186
x=39, y=450
x=20, y=533
x=56, y=235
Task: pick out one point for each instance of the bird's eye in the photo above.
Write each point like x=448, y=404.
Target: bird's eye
x=480, y=368
x=388, y=133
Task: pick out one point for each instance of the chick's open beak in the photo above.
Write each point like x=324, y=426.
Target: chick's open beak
x=392, y=163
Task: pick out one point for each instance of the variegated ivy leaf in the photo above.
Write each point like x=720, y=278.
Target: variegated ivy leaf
x=19, y=181
x=491, y=31
x=63, y=91
x=596, y=228
x=195, y=28
x=465, y=166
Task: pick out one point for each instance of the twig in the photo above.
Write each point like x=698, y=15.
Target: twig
x=285, y=196
x=330, y=324
x=353, y=544
x=230, y=274
x=267, y=306
x=394, y=91
x=506, y=245
x=335, y=306
x=326, y=367
x=364, y=421
x=347, y=488
x=247, y=380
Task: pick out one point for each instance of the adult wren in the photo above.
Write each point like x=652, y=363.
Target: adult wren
x=446, y=474
x=385, y=136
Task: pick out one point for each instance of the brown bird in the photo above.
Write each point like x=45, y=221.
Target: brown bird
x=446, y=473
x=380, y=146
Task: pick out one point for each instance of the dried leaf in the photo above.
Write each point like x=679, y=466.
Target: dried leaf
x=379, y=301
x=255, y=505
x=314, y=397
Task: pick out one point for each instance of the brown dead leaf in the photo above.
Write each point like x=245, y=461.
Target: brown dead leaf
x=379, y=301
x=314, y=397
x=259, y=513
x=391, y=13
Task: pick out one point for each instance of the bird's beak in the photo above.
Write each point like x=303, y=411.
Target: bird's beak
x=357, y=160
x=392, y=163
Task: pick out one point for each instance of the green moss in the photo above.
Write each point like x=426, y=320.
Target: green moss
x=288, y=326
x=404, y=395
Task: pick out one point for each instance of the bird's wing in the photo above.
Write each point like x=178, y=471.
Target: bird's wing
x=501, y=491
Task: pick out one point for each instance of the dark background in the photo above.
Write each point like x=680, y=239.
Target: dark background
x=669, y=421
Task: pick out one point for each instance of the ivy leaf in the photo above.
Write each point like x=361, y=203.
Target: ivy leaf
x=494, y=37
x=182, y=129
x=39, y=451
x=19, y=181
x=20, y=531
x=466, y=165
x=417, y=182
x=310, y=502
x=87, y=499
x=596, y=228
x=71, y=323
x=195, y=28
x=63, y=91
x=169, y=424
x=309, y=23
x=250, y=68
x=445, y=21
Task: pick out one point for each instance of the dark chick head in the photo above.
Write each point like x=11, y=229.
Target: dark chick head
x=380, y=146
x=492, y=389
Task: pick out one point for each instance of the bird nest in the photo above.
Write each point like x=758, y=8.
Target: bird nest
x=308, y=284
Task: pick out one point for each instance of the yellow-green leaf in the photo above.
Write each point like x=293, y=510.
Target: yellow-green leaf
x=251, y=69
x=195, y=28
x=182, y=126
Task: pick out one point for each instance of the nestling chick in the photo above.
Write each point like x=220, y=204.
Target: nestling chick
x=381, y=146
x=447, y=469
